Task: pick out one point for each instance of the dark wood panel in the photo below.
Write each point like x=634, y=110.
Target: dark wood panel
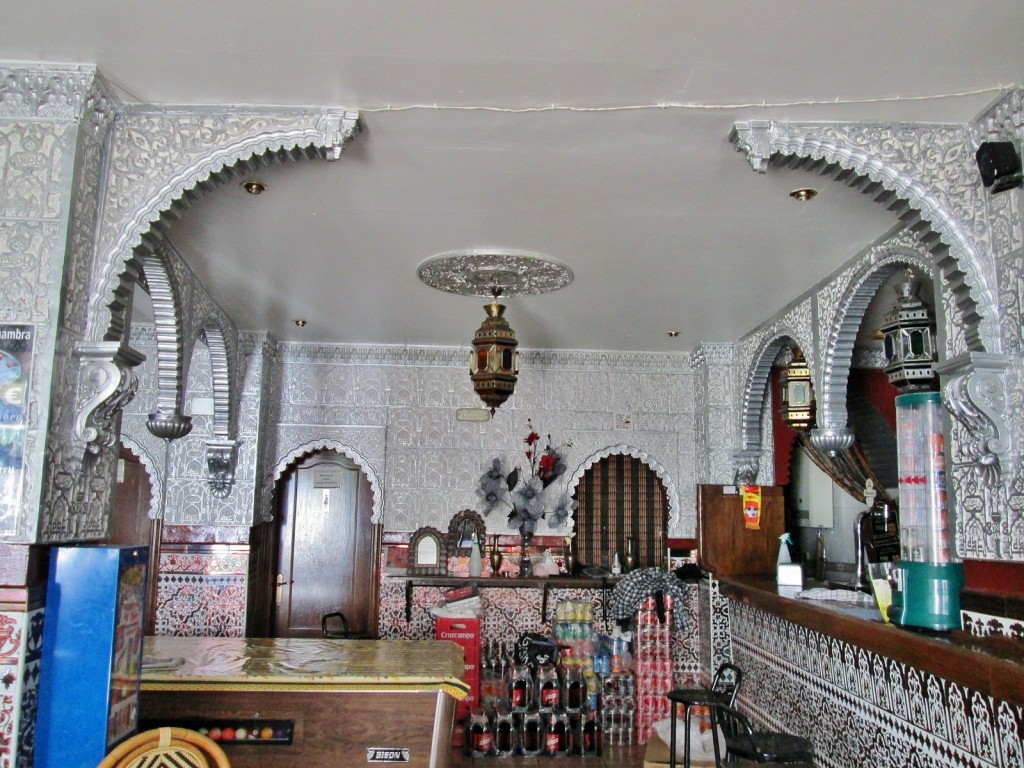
x=331, y=728
x=725, y=546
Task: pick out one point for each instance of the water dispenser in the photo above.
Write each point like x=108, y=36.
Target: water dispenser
x=928, y=578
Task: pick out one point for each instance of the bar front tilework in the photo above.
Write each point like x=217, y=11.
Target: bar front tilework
x=863, y=710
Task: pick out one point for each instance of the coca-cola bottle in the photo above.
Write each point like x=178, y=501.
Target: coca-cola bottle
x=575, y=689
x=548, y=689
x=520, y=687
x=531, y=733
x=590, y=734
x=504, y=733
x=556, y=738
x=481, y=739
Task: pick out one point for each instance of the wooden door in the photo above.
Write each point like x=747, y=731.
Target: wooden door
x=327, y=554
x=726, y=546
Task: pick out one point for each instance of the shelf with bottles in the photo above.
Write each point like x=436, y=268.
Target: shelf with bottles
x=543, y=583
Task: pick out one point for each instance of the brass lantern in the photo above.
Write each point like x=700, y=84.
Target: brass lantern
x=797, y=394
x=494, y=361
x=909, y=339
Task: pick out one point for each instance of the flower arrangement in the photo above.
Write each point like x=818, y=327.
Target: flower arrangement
x=524, y=498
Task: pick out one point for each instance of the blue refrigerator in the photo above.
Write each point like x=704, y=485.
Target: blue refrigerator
x=92, y=654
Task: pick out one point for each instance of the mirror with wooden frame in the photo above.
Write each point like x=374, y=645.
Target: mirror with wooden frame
x=461, y=529
x=428, y=553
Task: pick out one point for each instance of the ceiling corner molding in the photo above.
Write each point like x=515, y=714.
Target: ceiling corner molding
x=164, y=161
x=832, y=148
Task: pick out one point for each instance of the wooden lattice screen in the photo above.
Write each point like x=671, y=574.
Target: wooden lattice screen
x=621, y=498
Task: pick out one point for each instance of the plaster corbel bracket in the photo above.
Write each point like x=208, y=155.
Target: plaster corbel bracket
x=754, y=137
x=106, y=383
x=337, y=131
x=221, y=460
x=746, y=465
x=974, y=394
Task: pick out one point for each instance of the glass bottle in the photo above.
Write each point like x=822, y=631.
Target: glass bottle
x=630, y=563
x=556, y=738
x=520, y=687
x=504, y=733
x=548, y=689
x=590, y=734
x=531, y=733
x=575, y=689
x=481, y=738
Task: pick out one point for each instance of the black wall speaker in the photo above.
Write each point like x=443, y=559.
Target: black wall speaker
x=999, y=165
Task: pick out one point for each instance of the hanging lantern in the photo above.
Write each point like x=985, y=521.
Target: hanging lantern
x=797, y=394
x=909, y=340
x=494, y=361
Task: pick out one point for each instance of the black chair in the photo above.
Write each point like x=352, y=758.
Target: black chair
x=335, y=626
x=723, y=689
x=742, y=741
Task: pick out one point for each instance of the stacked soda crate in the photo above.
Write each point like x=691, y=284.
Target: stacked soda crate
x=652, y=659
x=464, y=632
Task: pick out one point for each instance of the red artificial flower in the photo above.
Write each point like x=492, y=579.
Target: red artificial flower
x=547, y=463
x=531, y=438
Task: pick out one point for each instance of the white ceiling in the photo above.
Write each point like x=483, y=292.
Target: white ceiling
x=663, y=223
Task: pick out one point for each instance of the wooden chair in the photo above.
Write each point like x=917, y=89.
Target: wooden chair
x=167, y=748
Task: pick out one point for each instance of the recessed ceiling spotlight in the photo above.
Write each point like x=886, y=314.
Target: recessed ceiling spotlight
x=254, y=187
x=672, y=334
x=300, y=323
x=804, y=194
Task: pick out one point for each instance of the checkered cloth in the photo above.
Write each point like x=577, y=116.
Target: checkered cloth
x=638, y=585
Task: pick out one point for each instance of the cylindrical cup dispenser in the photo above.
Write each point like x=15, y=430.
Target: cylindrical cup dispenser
x=928, y=577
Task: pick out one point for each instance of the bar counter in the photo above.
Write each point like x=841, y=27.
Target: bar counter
x=307, y=702
x=991, y=666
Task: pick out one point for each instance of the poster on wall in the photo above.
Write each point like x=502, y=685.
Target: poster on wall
x=15, y=370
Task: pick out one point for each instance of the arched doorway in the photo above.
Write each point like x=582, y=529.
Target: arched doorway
x=321, y=552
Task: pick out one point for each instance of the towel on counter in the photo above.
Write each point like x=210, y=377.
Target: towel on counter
x=840, y=595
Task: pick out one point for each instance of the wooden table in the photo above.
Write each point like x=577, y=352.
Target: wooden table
x=308, y=703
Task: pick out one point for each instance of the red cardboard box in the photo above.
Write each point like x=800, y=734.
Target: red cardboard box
x=464, y=632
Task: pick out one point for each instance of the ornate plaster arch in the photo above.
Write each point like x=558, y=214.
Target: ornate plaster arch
x=161, y=163
x=841, y=149
x=837, y=347
x=671, y=495
x=153, y=469
x=747, y=462
x=282, y=464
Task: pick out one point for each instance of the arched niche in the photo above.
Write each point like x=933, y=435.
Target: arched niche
x=672, y=496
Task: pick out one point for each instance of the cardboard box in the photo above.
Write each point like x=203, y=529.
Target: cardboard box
x=466, y=633
x=656, y=755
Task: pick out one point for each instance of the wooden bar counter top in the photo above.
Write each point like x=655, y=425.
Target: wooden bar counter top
x=308, y=702
x=992, y=667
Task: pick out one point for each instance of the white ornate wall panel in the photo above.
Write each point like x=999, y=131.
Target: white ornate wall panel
x=714, y=414
x=977, y=252
x=395, y=406
x=52, y=122
x=189, y=498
